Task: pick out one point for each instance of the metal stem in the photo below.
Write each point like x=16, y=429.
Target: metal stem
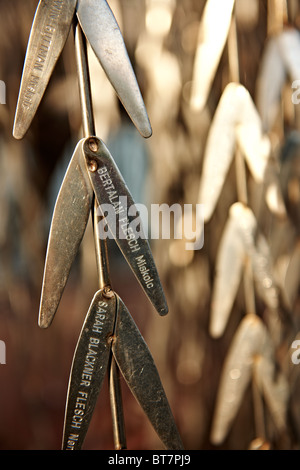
x=100, y=243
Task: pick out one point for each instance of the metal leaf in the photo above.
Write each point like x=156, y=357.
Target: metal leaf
x=280, y=60
x=123, y=220
x=138, y=368
x=275, y=389
x=48, y=36
x=238, y=233
x=271, y=78
x=289, y=48
x=103, y=34
x=70, y=217
x=273, y=193
x=291, y=280
x=261, y=259
x=254, y=144
x=88, y=370
x=212, y=36
x=250, y=340
x=236, y=122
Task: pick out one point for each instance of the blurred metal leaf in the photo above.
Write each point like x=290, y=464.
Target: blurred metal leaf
x=271, y=78
x=275, y=389
x=291, y=279
x=289, y=49
x=263, y=272
x=281, y=60
x=259, y=444
x=212, y=36
x=236, y=122
x=238, y=234
x=250, y=340
x=274, y=197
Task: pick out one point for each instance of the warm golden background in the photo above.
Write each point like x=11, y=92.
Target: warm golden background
x=162, y=38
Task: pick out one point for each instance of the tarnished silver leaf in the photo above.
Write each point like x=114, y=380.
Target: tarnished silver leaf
x=237, y=236
x=250, y=340
x=236, y=122
x=271, y=78
x=292, y=277
x=275, y=389
x=105, y=38
x=281, y=60
x=212, y=36
x=263, y=272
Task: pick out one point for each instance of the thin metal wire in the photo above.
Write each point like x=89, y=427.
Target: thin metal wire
x=100, y=243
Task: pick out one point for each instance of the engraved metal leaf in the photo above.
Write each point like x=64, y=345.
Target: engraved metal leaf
x=88, y=370
x=49, y=32
x=238, y=234
x=250, y=340
x=212, y=36
x=124, y=222
x=236, y=122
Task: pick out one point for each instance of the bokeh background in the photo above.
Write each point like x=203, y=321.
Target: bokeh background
x=162, y=38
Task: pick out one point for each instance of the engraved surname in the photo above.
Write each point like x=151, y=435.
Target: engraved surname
x=80, y=406
x=42, y=53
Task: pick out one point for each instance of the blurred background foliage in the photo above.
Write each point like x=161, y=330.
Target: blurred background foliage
x=161, y=38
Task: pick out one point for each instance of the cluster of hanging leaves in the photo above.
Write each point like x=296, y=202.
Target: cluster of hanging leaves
x=226, y=136
x=219, y=79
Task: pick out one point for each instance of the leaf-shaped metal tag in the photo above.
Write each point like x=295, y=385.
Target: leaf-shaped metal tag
x=123, y=220
x=291, y=280
x=102, y=32
x=280, y=60
x=49, y=32
x=138, y=368
x=236, y=122
x=289, y=48
x=89, y=367
x=263, y=272
x=274, y=196
x=275, y=389
x=254, y=144
x=232, y=252
x=212, y=36
x=271, y=78
x=70, y=217
x=250, y=340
